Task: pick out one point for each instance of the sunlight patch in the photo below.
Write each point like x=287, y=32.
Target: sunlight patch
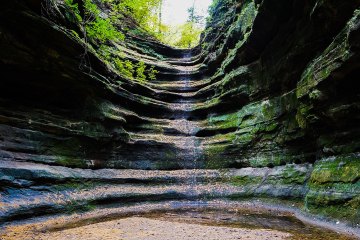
x=182, y=21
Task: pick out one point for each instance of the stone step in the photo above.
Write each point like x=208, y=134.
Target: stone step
x=26, y=203
x=184, y=85
x=27, y=174
x=174, y=139
x=39, y=189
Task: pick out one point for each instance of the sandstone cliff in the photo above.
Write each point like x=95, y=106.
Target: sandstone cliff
x=266, y=106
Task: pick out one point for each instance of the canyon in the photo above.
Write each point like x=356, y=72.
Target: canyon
x=265, y=108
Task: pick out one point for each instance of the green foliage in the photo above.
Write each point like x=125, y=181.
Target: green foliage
x=74, y=9
x=217, y=4
x=193, y=17
x=186, y=35
x=140, y=71
x=91, y=9
x=125, y=68
x=152, y=73
x=105, y=52
x=102, y=30
x=98, y=28
x=189, y=35
x=136, y=71
x=144, y=11
x=148, y=15
x=75, y=34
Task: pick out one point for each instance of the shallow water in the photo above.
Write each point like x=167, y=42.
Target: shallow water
x=175, y=221
x=250, y=219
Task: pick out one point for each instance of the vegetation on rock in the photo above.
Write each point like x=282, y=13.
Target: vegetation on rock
x=101, y=31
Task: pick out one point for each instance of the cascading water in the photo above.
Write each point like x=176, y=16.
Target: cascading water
x=190, y=150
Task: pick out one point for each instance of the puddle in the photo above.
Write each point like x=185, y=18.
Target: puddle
x=252, y=220
x=176, y=221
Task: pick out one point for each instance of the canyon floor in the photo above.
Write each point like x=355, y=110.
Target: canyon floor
x=149, y=229
x=178, y=220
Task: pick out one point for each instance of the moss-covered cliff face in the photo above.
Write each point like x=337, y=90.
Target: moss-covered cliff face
x=289, y=70
x=270, y=97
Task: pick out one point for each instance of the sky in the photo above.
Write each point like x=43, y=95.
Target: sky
x=175, y=12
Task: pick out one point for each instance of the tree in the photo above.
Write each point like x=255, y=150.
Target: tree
x=190, y=31
x=193, y=18
x=143, y=11
x=160, y=16
x=189, y=35
x=148, y=13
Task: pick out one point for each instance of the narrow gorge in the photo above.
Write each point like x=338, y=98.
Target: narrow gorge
x=262, y=116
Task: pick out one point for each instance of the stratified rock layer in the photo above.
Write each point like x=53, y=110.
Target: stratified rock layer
x=272, y=98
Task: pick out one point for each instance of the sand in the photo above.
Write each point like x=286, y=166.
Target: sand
x=139, y=228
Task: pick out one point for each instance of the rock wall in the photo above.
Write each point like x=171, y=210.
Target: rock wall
x=270, y=96
x=289, y=70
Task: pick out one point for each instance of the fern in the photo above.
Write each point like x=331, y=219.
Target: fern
x=125, y=68
x=152, y=73
x=140, y=71
x=102, y=30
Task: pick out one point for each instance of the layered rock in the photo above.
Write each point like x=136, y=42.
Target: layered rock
x=270, y=96
x=297, y=68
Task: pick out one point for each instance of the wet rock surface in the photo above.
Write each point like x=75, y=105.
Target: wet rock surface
x=267, y=107
x=177, y=220
x=37, y=189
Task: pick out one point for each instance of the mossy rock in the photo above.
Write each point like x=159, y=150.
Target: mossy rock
x=343, y=168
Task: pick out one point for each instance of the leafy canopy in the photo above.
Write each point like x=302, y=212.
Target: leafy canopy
x=148, y=14
x=102, y=31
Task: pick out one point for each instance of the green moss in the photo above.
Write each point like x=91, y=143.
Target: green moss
x=69, y=153
x=225, y=138
x=269, y=109
x=79, y=184
x=212, y=150
x=344, y=212
x=224, y=121
x=242, y=26
x=271, y=127
x=214, y=156
x=245, y=180
x=170, y=154
x=248, y=120
x=331, y=59
x=343, y=168
x=71, y=162
x=301, y=115
x=266, y=160
x=245, y=138
x=292, y=175
x=152, y=127
x=74, y=206
x=335, y=187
